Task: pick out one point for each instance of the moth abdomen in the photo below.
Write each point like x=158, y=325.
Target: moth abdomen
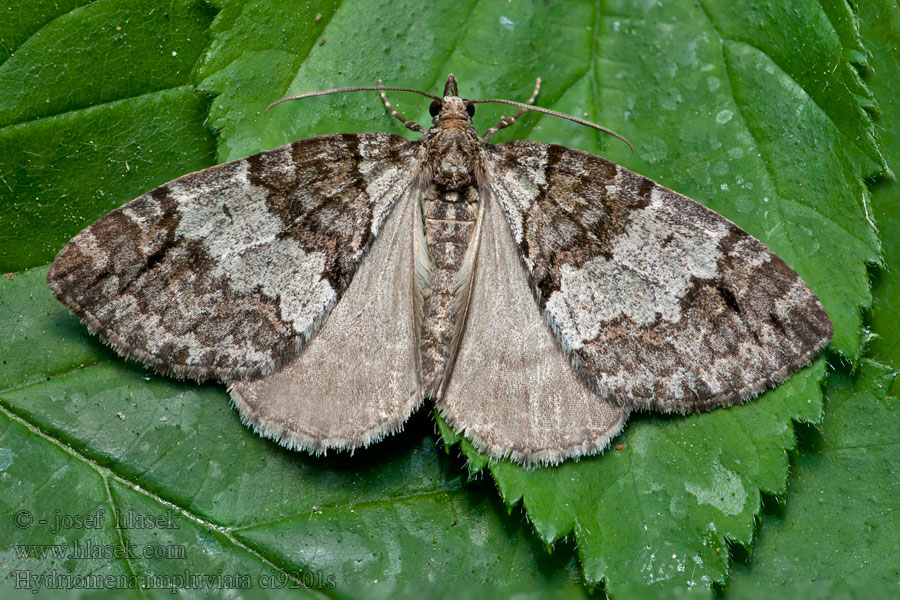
x=449, y=220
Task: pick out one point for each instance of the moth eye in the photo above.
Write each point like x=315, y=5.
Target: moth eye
x=435, y=108
x=470, y=109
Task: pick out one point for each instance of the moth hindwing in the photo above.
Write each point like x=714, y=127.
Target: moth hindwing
x=536, y=293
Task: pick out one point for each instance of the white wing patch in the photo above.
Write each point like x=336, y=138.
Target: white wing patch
x=651, y=267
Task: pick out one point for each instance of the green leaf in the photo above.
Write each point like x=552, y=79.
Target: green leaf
x=837, y=529
x=142, y=49
x=91, y=116
x=751, y=108
x=880, y=22
x=840, y=522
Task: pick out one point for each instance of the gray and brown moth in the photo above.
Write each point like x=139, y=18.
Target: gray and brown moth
x=536, y=293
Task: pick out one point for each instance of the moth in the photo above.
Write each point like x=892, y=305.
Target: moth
x=538, y=294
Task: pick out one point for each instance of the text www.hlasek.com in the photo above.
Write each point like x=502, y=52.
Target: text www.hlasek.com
x=89, y=549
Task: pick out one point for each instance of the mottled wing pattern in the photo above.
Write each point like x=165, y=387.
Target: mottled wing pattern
x=659, y=302
x=512, y=391
x=227, y=273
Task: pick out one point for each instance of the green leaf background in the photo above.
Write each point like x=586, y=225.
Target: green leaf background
x=780, y=116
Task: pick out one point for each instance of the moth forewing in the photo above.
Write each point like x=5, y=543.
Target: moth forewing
x=662, y=303
x=227, y=272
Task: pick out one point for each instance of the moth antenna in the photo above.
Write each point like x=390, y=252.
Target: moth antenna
x=554, y=113
x=363, y=88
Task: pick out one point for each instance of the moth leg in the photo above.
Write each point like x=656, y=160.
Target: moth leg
x=409, y=124
x=507, y=121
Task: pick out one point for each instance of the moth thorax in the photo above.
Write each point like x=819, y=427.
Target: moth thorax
x=454, y=171
x=453, y=157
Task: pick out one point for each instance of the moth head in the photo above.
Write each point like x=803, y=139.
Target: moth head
x=451, y=108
